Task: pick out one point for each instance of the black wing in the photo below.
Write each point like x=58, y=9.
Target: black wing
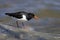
x=16, y=15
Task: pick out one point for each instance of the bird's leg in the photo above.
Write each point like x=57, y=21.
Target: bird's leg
x=22, y=25
x=17, y=24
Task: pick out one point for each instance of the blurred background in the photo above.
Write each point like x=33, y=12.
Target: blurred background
x=48, y=12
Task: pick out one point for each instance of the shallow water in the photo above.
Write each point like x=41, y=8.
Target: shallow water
x=49, y=21
x=28, y=5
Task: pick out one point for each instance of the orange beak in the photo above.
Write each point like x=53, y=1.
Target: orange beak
x=35, y=17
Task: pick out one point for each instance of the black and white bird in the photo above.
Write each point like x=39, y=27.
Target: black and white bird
x=22, y=16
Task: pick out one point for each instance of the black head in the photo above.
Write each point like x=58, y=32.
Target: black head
x=31, y=15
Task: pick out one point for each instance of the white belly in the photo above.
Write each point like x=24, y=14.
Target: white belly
x=23, y=19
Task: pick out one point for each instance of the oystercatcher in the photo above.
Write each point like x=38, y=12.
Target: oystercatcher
x=22, y=16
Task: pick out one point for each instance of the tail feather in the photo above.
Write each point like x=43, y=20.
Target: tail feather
x=6, y=13
x=9, y=14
